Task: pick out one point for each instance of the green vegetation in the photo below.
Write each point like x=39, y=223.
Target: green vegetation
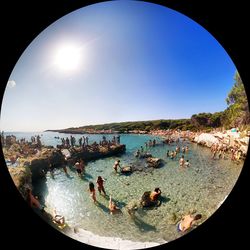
x=236, y=115
x=124, y=127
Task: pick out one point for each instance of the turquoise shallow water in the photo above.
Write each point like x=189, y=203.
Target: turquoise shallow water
x=201, y=187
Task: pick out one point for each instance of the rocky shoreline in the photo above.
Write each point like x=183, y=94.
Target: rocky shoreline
x=28, y=162
x=228, y=138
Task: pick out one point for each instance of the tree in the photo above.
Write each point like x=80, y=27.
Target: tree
x=237, y=113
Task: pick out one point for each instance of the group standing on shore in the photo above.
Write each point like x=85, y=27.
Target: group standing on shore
x=219, y=152
x=83, y=142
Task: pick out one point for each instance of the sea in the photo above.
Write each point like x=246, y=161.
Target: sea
x=200, y=188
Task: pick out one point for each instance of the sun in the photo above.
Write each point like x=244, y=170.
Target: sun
x=68, y=57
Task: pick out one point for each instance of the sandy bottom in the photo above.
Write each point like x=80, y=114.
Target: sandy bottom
x=107, y=242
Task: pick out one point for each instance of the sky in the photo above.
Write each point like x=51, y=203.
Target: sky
x=116, y=61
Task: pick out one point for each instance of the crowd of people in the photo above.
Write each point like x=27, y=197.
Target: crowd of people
x=83, y=142
x=219, y=151
x=8, y=140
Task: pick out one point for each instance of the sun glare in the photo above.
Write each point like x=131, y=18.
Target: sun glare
x=68, y=57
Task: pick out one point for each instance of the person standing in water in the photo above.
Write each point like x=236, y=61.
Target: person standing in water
x=64, y=166
x=100, y=186
x=182, y=161
x=116, y=165
x=92, y=191
x=78, y=168
x=112, y=206
x=82, y=165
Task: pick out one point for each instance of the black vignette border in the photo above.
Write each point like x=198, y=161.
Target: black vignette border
x=23, y=21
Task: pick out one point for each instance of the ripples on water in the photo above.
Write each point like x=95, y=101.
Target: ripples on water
x=200, y=188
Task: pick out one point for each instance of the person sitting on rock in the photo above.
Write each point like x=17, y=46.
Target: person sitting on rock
x=155, y=194
x=187, y=221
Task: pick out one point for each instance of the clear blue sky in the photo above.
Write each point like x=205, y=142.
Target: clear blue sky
x=116, y=61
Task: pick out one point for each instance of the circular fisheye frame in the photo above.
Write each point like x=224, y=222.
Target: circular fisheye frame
x=132, y=125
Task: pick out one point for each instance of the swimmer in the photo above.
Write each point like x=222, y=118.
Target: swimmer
x=187, y=222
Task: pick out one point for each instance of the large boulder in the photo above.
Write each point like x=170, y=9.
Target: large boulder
x=206, y=139
x=126, y=169
x=153, y=162
x=147, y=202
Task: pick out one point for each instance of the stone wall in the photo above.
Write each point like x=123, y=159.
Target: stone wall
x=22, y=179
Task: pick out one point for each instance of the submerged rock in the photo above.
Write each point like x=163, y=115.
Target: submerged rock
x=153, y=162
x=145, y=155
x=147, y=202
x=126, y=169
